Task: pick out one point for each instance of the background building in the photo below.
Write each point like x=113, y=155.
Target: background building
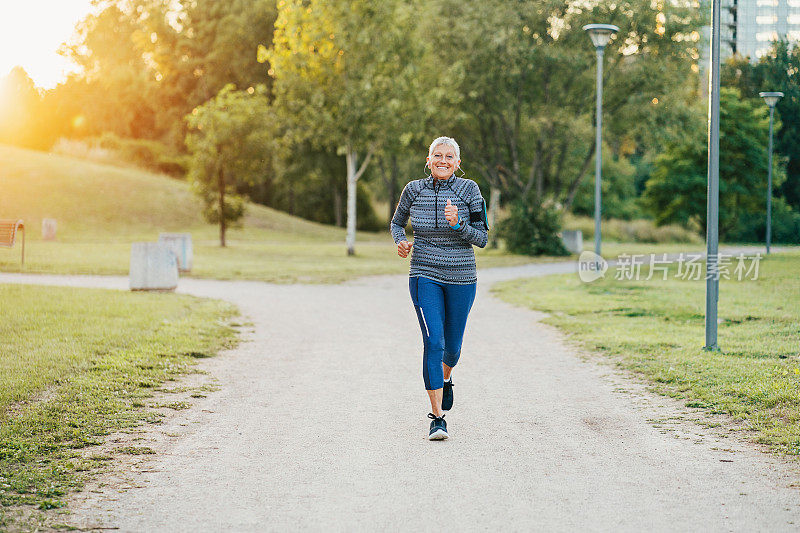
x=749, y=26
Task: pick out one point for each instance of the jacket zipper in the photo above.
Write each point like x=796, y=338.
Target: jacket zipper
x=436, y=196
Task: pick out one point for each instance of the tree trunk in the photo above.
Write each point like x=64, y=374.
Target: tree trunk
x=221, y=186
x=337, y=207
x=352, y=183
x=353, y=173
x=536, y=175
x=494, y=205
x=394, y=174
x=390, y=181
x=573, y=188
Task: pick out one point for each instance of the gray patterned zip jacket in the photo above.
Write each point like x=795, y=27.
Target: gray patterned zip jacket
x=440, y=252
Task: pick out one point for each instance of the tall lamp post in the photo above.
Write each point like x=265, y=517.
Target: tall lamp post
x=771, y=99
x=600, y=34
x=712, y=219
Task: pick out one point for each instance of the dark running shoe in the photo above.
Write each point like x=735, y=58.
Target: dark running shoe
x=447, y=395
x=438, y=428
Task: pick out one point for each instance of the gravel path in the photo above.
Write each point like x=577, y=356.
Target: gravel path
x=319, y=424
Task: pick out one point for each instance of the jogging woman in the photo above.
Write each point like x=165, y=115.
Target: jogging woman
x=448, y=216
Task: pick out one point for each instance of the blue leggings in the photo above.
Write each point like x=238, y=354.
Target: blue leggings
x=442, y=310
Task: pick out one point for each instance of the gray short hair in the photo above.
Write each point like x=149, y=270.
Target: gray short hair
x=449, y=141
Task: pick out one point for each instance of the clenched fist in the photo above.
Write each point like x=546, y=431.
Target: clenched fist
x=403, y=247
x=451, y=213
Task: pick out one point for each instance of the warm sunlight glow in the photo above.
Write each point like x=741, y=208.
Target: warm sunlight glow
x=31, y=32
x=78, y=122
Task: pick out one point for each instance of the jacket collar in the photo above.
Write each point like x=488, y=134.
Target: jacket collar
x=448, y=182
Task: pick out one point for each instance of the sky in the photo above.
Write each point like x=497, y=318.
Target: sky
x=31, y=32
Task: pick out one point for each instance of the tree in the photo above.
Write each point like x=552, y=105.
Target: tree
x=676, y=192
x=199, y=46
x=145, y=64
x=21, y=112
x=338, y=79
x=519, y=78
x=115, y=85
x=618, y=190
x=777, y=70
x=228, y=141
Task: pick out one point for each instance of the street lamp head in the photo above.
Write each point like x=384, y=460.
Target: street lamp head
x=600, y=34
x=771, y=98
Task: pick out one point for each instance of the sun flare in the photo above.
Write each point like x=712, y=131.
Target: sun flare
x=32, y=31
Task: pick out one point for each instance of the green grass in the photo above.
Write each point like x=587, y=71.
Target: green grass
x=77, y=364
x=611, y=250
x=656, y=329
x=102, y=209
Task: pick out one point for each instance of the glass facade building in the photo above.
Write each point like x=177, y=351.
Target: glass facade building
x=749, y=26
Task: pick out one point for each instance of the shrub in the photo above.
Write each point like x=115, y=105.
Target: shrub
x=142, y=153
x=639, y=230
x=84, y=150
x=752, y=227
x=532, y=229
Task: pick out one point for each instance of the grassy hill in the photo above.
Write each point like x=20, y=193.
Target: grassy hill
x=91, y=199
x=102, y=209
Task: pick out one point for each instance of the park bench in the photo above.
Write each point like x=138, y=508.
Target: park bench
x=8, y=234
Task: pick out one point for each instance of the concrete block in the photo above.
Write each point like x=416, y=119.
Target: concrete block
x=181, y=246
x=49, y=229
x=573, y=240
x=153, y=267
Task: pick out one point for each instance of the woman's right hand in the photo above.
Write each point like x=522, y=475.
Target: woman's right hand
x=403, y=247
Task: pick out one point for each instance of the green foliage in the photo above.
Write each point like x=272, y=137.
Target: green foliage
x=340, y=83
x=215, y=45
x=676, y=192
x=512, y=81
x=339, y=78
x=778, y=70
x=228, y=141
x=532, y=229
x=146, y=64
x=751, y=227
x=618, y=190
x=516, y=83
x=116, y=88
x=311, y=183
x=367, y=219
x=143, y=66
x=146, y=154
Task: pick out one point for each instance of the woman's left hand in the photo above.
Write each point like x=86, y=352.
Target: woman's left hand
x=451, y=213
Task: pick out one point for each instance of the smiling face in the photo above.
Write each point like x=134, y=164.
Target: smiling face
x=443, y=161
